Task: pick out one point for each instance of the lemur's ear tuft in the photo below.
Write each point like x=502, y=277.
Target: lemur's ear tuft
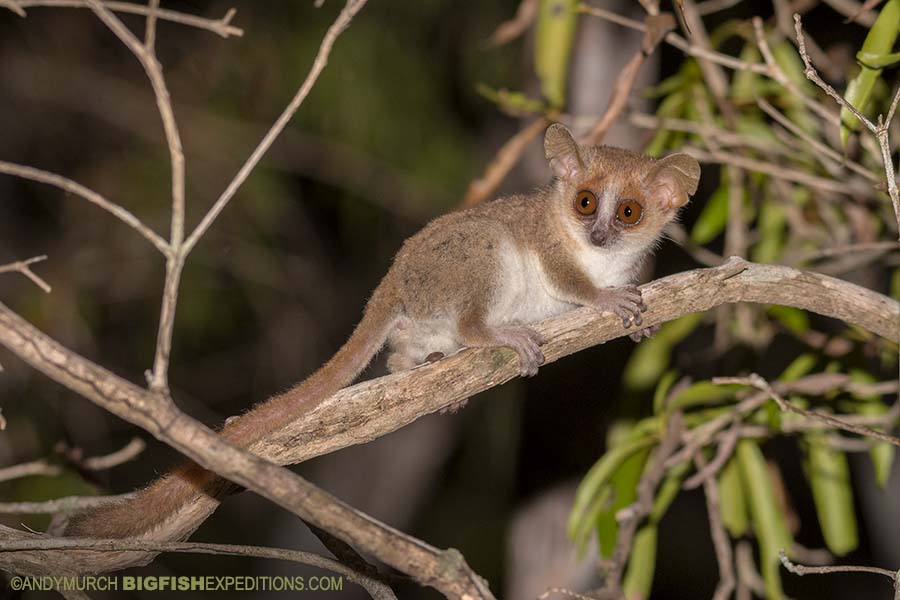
x=674, y=179
x=563, y=153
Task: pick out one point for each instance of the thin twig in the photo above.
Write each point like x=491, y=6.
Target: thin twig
x=852, y=187
x=880, y=131
x=754, y=380
x=221, y=27
x=376, y=588
x=91, y=196
x=150, y=29
x=340, y=24
x=656, y=26
x=95, y=463
x=775, y=72
x=677, y=41
x=126, y=453
x=158, y=378
x=724, y=555
x=506, y=158
x=630, y=517
x=748, y=575
x=802, y=570
x=709, y=471
x=68, y=504
x=509, y=30
x=817, y=145
x=24, y=267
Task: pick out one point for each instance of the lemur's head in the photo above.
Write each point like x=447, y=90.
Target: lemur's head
x=618, y=198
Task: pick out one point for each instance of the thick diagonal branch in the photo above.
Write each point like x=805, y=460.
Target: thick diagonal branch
x=374, y=408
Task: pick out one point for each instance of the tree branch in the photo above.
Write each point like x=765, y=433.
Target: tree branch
x=73, y=187
x=445, y=570
x=376, y=588
x=221, y=27
x=374, y=408
x=24, y=267
x=340, y=24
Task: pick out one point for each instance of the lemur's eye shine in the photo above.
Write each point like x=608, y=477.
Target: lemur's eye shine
x=585, y=203
x=629, y=212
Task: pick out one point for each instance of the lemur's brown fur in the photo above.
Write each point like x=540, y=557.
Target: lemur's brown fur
x=476, y=277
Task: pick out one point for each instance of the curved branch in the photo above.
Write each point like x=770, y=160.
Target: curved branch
x=371, y=409
x=376, y=588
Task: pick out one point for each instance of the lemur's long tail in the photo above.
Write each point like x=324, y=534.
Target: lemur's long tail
x=151, y=507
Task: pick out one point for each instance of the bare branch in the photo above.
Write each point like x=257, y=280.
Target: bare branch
x=24, y=267
x=631, y=516
x=374, y=408
x=221, y=27
x=340, y=24
x=376, y=588
x=761, y=384
x=445, y=570
x=150, y=29
x=720, y=540
x=816, y=145
x=677, y=41
x=880, y=131
x=124, y=454
x=509, y=30
x=158, y=378
x=802, y=570
x=657, y=26
x=91, y=196
x=507, y=157
x=776, y=73
x=96, y=463
x=68, y=504
x=850, y=187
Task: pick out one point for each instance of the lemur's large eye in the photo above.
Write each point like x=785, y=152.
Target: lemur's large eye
x=629, y=212
x=585, y=203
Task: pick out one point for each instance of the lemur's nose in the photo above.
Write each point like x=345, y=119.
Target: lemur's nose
x=599, y=237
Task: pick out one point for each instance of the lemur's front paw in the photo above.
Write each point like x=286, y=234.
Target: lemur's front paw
x=527, y=344
x=625, y=302
x=646, y=332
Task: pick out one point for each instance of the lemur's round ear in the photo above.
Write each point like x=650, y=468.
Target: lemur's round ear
x=563, y=152
x=675, y=179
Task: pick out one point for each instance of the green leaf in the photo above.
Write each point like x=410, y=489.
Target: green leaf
x=877, y=61
x=829, y=478
x=598, y=476
x=557, y=20
x=793, y=319
x=771, y=225
x=662, y=390
x=704, y=392
x=671, y=107
x=768, y=521
x=788, y=58
x=641, y=564
x=879, y=41
x=714, y=217
x=745, y=84
x=895, y=284
x=882, y=453
x=515, y=103
x=624, y=488
x=732, y=505
x=800, y=366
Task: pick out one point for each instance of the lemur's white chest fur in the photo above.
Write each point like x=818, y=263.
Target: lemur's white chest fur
x=526, y=294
